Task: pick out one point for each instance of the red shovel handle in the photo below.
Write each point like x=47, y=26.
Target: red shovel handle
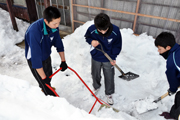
x=52, y=90
x=81, y=81
x=86, y=85
x=55, y=72
x=97, y=99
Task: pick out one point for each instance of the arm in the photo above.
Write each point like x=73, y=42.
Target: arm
x=173, y=81
x=63, y=64
x=41, y=73
x=173, y=72
x=62, y=56
x=94, y=43
x=60, y=49
x=117, y=45
x=88, y=36
x=90, y=40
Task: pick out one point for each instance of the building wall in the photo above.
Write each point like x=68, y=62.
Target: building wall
x=150, y=17
x=16, y=2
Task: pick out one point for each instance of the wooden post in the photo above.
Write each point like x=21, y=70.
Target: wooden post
x=135, y=18
x=102, y=5
x=72, y=15
x=177, y=36
x=46, y=3
x=31, y=7
x=9, y=6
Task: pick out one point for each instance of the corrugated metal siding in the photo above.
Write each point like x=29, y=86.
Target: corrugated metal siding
x=65, y=10
x=156, y=8
x=147, y=23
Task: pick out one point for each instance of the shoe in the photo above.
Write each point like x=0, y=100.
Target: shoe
x=95, y=91
x=52, y=88
x=110, y=99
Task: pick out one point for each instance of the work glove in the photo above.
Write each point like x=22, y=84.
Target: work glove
x=170, y=93
x=166, y=115
x=46, y=80
x=63, y=65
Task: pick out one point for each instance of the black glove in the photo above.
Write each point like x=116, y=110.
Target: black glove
x=170, y=93
x=46, y=81
x=63, y=65
x=166, y=115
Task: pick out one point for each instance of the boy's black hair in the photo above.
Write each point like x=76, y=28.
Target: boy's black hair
x=165, y=39
x=102, y=21
x=51, y=13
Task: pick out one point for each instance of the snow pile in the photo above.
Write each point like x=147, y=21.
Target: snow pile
x=8, y=36
x=21, y=101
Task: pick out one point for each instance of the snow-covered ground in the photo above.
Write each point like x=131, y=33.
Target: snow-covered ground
x=22, y=99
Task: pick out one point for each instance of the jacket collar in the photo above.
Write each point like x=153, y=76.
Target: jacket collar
x=45, y=27
x=174, y=48
x=109, y=31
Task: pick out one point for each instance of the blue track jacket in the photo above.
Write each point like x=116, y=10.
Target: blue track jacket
x=111, y=44
x=173, y=69
x=39, y=39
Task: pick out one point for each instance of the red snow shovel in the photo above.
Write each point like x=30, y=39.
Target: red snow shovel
x=126, y=76
x=97, y=99
x=51, y=87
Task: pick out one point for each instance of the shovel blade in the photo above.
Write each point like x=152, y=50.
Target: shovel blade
x=107, y=106
x=129, y=76
x=145, y=105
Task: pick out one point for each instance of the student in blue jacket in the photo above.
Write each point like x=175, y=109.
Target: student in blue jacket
x=110, y=37
x=39, y=38
x=170, y=50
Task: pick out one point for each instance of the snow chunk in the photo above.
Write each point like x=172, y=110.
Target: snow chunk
x=144, y=105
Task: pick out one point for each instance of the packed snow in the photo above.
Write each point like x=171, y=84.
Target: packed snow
x=22, y=99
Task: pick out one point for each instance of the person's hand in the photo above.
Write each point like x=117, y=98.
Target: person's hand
x=170, y=93
x=63, y=65
x=113, y=62
x=46, y=80
x=94, y=43
x=166, y=115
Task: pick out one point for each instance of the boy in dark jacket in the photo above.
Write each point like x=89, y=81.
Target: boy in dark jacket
x=109, y=36
x=39, y=38
x=170, y=50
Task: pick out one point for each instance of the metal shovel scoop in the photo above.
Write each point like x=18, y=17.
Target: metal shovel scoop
x=152, y=105
x=126, y=76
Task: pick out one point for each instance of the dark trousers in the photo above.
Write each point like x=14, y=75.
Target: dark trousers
x=175, y=109
x=48, y=71
x=108, y=71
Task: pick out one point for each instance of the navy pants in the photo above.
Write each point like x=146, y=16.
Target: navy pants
x=47, y=67
x=108, y=71
x=175, y=109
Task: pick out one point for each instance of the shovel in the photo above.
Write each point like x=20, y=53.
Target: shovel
x=160, y=98
x=126, y=76
x=154, y=102
x=103, y=104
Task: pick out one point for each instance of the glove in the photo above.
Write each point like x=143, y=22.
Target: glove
x=46, y=80
x=170, y=93
x=63, y=65
x=166, y=115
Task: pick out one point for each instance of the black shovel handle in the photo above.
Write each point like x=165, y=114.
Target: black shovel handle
x=109, y=58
